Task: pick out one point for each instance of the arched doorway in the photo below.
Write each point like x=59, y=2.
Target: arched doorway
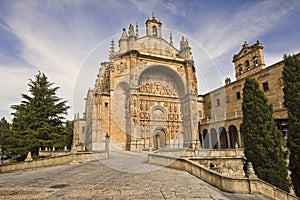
x=223, y=138
x=159, y=139
x=206, y=139
x=233, y=136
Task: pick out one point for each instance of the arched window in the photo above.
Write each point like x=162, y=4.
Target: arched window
x=154, y=31
x=240, y=66
x=255, y=61
x=247, y=65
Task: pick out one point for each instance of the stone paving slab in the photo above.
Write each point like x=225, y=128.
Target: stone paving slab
x=95, y=180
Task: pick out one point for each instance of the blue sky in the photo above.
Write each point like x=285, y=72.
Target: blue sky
x=57, y=37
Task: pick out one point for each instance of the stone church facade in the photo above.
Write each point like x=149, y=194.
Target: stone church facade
x=146, y=97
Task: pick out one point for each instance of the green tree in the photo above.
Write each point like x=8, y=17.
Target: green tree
x=262, y=138
x=4, y=129
x=291, y=79
x=39, y=119
x=69, y=133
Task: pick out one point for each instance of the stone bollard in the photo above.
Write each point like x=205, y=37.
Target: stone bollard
x=250, y=171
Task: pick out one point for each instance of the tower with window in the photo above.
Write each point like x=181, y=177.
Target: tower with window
x=249, y=60
x=153, y=27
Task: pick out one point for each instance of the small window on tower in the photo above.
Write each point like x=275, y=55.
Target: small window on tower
x=238, y=95
x=247, y=65
x=255, y=61
x=240, y=66
x=218, y=102
x=106, y=104
x=154, y=31
x=266, y=86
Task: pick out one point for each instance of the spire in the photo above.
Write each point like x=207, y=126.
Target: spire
x=136, y=30
x=182, y=43
x=124, y=34
x=123, y=42
x=171, y=39
x=131, y=30
x=187, y=43
x=112, y=50
x=153, y=17
x=185, y=50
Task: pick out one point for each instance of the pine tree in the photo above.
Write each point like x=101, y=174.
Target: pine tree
x=262, y=138
x=291, y=79
x=38, y=120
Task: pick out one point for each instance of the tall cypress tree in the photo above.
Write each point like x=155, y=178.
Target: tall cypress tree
x=291, y=79
x=262, y=138
x=39, y=118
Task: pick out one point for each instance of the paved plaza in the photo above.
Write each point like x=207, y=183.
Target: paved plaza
x=111, y=178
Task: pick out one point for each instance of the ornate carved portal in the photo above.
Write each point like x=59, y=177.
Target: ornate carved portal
x=156, y=117
x=155, y=111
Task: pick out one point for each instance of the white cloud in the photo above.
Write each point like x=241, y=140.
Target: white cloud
x=54, y=47
x=225, y=32
x=56, y=36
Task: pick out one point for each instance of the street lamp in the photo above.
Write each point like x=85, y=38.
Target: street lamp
x=107, y=144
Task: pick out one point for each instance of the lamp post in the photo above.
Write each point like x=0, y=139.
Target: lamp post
x=107, y=144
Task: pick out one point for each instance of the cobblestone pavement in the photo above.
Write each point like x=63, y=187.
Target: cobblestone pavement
x=95, y=180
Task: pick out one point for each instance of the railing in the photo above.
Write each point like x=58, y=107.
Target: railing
x=228, y=184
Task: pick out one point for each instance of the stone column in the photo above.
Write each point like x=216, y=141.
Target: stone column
x=239, y=139
x=228, y=139
x=218, y=140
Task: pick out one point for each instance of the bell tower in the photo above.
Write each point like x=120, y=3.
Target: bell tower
x=249, y=60
x=153, y=27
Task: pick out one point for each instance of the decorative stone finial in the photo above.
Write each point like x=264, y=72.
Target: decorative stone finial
x=28, y=158
x=171, y=39
x=136, y=30
x=131, y=30
x=112, y=50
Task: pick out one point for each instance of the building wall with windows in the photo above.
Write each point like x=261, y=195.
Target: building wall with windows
x=222, y=108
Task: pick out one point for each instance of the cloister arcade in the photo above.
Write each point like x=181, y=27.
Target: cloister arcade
x=221, y=138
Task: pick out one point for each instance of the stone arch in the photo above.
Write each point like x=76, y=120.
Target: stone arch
x=160, y=139
x=214, y=138
x=206, y=140
x=233, y=136
x=158, y=113
x=223, y=138
x=120, y=111
x=164, y=73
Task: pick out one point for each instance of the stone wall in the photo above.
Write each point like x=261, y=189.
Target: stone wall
x=53, y=161
x=228, y=184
